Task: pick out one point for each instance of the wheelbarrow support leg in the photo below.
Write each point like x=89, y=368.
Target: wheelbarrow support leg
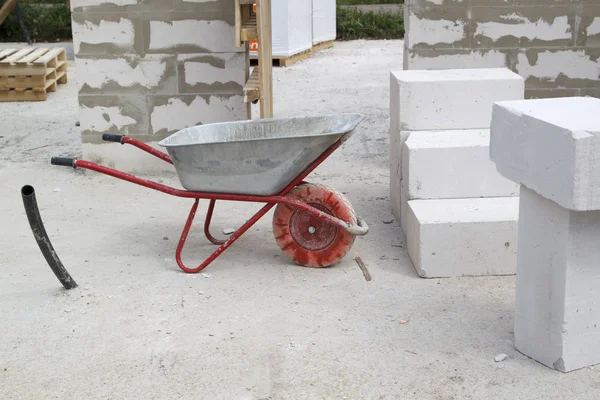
x=209, y=214
x=224, y=246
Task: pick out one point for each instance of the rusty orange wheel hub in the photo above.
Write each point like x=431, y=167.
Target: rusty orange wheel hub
x=307, y=239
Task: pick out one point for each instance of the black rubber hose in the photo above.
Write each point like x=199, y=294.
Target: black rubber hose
x=43, y=241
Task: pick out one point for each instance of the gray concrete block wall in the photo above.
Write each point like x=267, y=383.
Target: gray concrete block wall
x=553, y=44
x=149, y=68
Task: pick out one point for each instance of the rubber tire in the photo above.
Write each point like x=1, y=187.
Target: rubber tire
x=289, y=227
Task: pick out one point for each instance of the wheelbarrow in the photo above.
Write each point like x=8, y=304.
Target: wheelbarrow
x=261, y=161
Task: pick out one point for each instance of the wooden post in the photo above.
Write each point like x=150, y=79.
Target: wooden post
x=265, y=57
x=6, y=9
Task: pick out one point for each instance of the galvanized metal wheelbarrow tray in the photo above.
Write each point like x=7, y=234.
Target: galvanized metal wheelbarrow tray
x=262, y=161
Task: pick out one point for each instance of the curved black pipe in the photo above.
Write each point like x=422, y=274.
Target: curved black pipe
x=43, y=241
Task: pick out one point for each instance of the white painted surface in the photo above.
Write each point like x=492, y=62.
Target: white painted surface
x=214, y=36
x=431, y=32
x=551, y=146
x=119, y=34
x=452, y=99
x=203, y=72
x=96, y=73
x=457, y=237
x=452, y=164
x=574, y=64
x=557, y=319
x=323, y=21
x=176, y=114
x=125, y=158
x=557, y=29
x=489, y=59
x=102, y=119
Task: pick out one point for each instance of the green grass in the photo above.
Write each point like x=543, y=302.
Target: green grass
x=354, y=2
x=354, y=24
x=47, y=22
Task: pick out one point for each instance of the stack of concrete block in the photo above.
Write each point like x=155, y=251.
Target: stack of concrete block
x=324, y=24
x=458, y=214
x=551, y=148
x=148, y=69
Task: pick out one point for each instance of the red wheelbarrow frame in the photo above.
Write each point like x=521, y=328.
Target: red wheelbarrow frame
x=360, y=229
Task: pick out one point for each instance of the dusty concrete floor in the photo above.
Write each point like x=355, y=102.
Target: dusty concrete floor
x=256, y=327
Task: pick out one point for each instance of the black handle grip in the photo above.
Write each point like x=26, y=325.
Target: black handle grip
x=107, y=137
x=63, y=161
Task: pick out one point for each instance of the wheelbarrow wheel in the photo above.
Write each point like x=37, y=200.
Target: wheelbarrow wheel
x=307, y=239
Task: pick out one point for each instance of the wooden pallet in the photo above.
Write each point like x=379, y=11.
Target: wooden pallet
x=285, y=61
x=321, y=46
x=29, y=74
x=291, y=60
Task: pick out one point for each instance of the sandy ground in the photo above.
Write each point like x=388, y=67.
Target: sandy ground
x=255, y=327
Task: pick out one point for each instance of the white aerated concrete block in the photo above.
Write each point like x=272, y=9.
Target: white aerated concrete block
x=557, y=319
x=451, y=58
x=452, y=164
x=193, y=110
x=143, y=72
x=212, y=36
x=552, y=146
x=457, y=237
x=551, y=64
x=118, y=33
x=450, y=99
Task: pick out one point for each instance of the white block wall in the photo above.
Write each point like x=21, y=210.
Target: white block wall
x=148, y=69
x=452, y=164
x=567, y=171
x=557, y=317
x=457, y=237
x=553, y=44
